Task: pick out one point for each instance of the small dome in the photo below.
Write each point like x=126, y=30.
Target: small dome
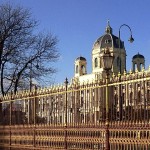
x=138, y=56
x=81, y=58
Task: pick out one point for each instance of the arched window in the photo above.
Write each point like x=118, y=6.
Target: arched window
x=141, y=66
x=96, y=62
x=136, y=66
x=77, y=69
x=83, y=69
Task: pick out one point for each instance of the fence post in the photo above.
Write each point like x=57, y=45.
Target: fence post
x=10, y=119
x=1, y=112
x=107, y=145
x=34, y=117
x=66, y=88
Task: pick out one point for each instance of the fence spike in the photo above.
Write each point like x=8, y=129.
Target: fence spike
x=113, y=75
x=143, y=69
x=136, y=70
x=119, y=74
x=130, y=72
x=125, y=72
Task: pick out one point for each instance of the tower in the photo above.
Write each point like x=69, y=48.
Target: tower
x=108, y=40
x=80, y=66
x=138, y=62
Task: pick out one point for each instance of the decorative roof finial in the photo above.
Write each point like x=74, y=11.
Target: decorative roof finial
x=108, y=23
x=108, y=28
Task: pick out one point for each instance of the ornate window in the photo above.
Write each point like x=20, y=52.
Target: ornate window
x=96, y=62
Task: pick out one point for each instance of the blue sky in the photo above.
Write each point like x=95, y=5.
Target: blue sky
x=78, y=23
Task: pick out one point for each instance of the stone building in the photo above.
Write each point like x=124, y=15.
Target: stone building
x=86, y=99
x=108, y=40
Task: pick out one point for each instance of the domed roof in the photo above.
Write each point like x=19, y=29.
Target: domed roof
x=138, y=56
x=81, y=58
x=108, y=40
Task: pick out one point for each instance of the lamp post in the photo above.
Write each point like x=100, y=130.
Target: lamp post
x=131, y=39
x=66, y=88
x=107, y=61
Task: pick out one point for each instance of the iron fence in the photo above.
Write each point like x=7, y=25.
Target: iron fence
x=73, y=116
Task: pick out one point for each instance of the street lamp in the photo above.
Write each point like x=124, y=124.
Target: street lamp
x=131, y=40
x=107, y=61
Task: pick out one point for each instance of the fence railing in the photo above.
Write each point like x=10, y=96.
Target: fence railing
x=72, y=116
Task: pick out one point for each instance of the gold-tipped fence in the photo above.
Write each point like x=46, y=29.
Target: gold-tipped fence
x=73, y=116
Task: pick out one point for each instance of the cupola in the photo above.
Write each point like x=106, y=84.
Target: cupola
x=138, y=62
x=80, y=66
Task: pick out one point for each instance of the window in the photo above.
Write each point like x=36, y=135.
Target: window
x=136, y=66
x=141, y=66
x=77, y=68
x=96, y=62
x=107, y=41
x=83, y=69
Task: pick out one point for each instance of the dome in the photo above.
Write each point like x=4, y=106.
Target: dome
x=138, y=56
x=81, y=58
x=108, y=40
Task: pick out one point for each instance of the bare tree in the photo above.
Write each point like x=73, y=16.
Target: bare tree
x=22, y=50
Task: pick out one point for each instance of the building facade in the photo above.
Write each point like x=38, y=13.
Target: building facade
x=110, y=41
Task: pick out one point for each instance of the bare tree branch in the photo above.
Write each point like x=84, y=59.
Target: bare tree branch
x=21, y=48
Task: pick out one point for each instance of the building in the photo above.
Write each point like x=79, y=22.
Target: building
x=110, y=41
x=88, y=104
